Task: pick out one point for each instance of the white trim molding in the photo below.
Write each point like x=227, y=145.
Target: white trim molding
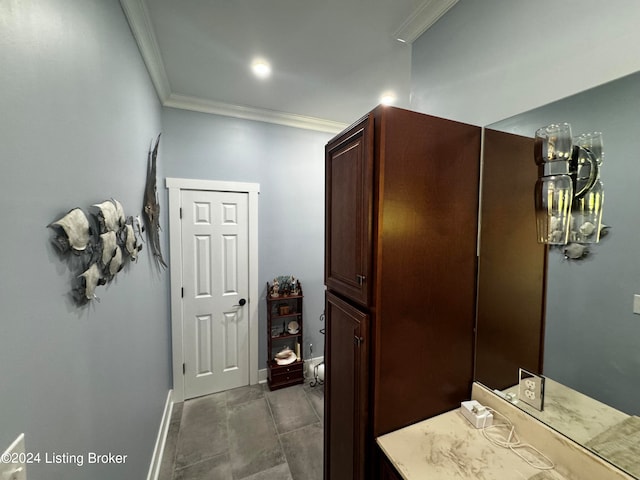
x=175, y=185
x=142, y=29
x=161, y=439
x=211, y=185
x=422, y=18
x=196, y=104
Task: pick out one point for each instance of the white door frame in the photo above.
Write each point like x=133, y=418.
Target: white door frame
x=175, y=185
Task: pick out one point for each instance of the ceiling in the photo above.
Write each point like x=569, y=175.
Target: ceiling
x=331, y=59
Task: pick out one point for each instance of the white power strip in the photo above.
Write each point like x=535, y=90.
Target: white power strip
x=477, y=414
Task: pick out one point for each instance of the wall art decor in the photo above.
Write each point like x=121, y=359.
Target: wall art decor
x=151, y=207
x=96, y=245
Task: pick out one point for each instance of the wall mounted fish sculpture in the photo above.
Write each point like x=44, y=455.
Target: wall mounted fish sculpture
x=151, y=207
x=102, y=241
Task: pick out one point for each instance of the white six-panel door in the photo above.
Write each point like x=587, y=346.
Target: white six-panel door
x=215, y=280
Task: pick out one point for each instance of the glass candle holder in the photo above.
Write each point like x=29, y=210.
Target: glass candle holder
x=553, y=143
x=587, y=215
x=553, y=196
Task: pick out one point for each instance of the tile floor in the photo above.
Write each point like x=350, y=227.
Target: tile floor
x=249, y=433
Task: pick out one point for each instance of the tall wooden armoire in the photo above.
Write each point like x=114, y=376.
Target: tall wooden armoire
x=400, y=271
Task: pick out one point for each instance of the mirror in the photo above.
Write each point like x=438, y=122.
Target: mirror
x=573, y=321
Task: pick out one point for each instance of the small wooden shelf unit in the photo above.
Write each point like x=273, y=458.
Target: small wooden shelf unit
x=280, y=376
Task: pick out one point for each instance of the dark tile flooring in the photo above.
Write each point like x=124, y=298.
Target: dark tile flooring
x=248, y=433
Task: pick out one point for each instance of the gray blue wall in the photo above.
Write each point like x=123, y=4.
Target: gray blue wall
x=486, y=61
x=288, y=163
x=78, y=114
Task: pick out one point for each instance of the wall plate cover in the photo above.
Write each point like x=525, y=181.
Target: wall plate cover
x=531, y=389
x=636, y=304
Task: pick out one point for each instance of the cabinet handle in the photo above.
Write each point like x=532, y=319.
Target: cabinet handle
x=358, y=340
x=360, y=279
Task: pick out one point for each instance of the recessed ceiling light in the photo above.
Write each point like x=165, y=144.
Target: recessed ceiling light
x=261, y=68
x=388, y=98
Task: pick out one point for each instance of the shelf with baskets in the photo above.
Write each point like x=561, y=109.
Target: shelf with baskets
x=284, y=334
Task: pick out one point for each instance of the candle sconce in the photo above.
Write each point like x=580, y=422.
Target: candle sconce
x=569, y=194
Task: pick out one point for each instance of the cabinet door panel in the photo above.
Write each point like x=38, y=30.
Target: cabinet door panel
x=349, y=203
x=346, y=400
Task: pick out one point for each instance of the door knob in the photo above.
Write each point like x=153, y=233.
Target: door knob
x=241, y=303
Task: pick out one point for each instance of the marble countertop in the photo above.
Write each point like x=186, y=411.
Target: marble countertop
x=449, y=447
x=572, y=413
x=612, y=434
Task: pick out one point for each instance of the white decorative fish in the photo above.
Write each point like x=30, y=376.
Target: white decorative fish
x=108, y=247
x=76, y=229
x=91, y=278
x=109, y=220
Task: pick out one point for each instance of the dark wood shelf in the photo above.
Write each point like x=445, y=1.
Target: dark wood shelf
x=287, y=335
x=290, y=366
x=280, y=376
x=271, y=298
x=288, y=315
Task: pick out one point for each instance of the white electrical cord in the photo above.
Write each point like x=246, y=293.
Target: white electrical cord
x=506, y=438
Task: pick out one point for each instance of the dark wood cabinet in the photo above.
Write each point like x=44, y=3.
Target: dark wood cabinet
x=385, y=469
x=347, y=360
x=284, y=328
x=401, y=212
x=349, y=205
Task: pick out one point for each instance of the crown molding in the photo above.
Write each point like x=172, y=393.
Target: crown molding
x=196, y=104
x=142, y=29
x=422, y=18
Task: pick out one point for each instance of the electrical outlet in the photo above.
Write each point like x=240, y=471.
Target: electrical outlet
x=531, y=389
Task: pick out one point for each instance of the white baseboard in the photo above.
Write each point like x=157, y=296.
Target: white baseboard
x=158, y=451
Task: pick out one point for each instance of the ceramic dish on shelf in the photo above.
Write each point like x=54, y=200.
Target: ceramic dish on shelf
x=293, y=327
x=286, y=361
x=284, y=353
